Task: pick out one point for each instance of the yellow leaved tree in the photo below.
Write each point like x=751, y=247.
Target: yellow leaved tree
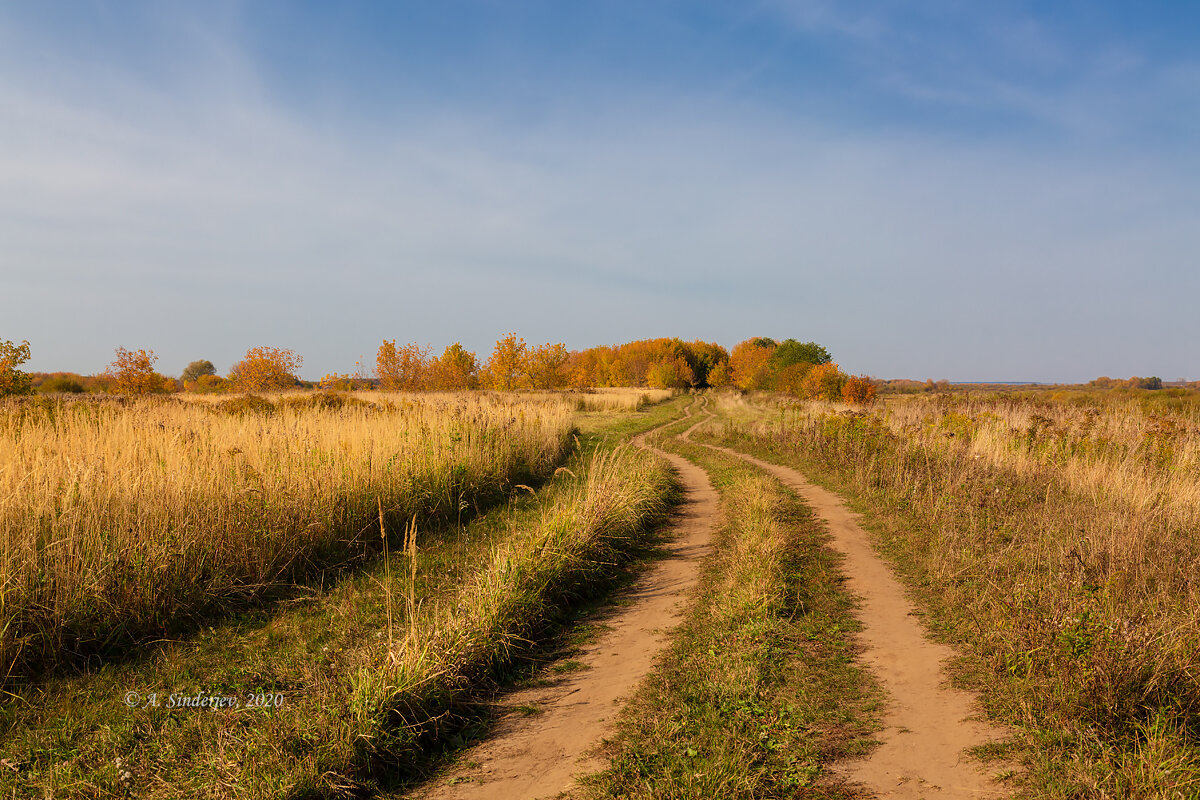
x=133, y=373
x=505, y=370
x=456, y=369
x=401, y=369
x=545, y=366
x=266, y=369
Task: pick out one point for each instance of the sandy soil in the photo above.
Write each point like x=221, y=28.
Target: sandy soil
x=928, y=723
x=537, y=755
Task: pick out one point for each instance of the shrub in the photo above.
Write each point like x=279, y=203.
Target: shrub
x=61, y=383
x=247, y=404
x=823, y=382
x=207, y=384
x=859, y=390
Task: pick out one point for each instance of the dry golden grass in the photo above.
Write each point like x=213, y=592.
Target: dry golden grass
x=124, y=519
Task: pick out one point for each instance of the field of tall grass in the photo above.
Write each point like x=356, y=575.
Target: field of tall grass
x=1056, y=541
x=374, y=674
x=122, y=520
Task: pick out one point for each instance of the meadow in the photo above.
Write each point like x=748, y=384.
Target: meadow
x=471, y=525
x=122, y=520
x=1053, y=538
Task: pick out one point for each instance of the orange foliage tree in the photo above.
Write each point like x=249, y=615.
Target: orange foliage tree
x=749, y=364
x=545, y=366
x=456, y=369
x=133, y=373
x=401, y=369
x=266, y=369
x=506, y=368
x=823, y=382
x=859, y=390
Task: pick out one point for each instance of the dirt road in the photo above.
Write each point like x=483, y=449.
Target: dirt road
x=928, y=724
x=537, y=755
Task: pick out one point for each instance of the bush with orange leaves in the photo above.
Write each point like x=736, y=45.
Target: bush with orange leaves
x=133, y=373
x=266, y=369
x=823, y=382
x=859, y=390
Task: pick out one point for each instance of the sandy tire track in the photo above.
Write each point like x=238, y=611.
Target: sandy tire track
x=538, y=756
x=928, y=724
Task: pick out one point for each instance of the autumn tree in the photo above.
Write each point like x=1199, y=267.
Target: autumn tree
x=823, y=382
x=545, y=366
x=133, y=373
x=673, y=373
x=402, y=369
x=266, y=369
x=859, y=390
x=583, y=367
x=703, y=358
x=719, y=374
x=13, y=380
x=455, y=369
x=790, y=379
x=506, y=368
x=749, y=364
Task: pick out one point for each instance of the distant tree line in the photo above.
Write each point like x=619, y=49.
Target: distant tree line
x=805, y=369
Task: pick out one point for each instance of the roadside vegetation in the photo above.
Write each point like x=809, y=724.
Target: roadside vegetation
x=758, y=692
x=1054, y=541
x=368, y=676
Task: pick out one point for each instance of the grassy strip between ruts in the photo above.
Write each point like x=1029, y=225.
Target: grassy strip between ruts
x=1060, y=643
x=759, y=692
x=368, y=677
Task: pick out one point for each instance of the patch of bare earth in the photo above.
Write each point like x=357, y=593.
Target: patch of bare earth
x=928, y=724
x=540, y=743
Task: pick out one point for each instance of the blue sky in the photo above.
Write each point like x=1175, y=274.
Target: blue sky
x=938, y=189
